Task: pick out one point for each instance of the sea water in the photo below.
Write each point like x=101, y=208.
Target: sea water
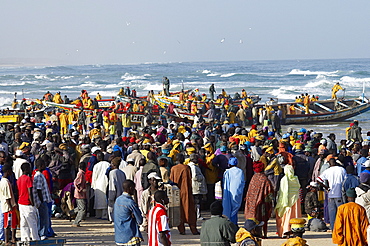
x=269, y=79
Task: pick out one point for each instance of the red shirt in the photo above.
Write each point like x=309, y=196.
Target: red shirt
x=24, y=182
x=158, y=222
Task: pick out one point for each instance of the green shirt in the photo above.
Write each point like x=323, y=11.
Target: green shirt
x=218, y=231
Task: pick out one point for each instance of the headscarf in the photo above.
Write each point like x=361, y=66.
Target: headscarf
x=289, y=191
x=258, y=166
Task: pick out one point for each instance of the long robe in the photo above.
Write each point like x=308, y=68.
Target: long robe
x=350, y=226
x=115, y=188
x=288, y=205
x=99, y=184
x=181, y=175
x=233, y=187
x=258, y=202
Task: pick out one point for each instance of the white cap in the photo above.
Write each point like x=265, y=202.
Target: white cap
x=18, y=152
x=45, y=142
x=94, y=149
x=153, y=175
x=323, y=141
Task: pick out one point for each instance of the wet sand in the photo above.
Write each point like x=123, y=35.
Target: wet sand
x=101, y=232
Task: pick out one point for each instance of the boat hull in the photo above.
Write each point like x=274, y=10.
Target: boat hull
x=329, y=116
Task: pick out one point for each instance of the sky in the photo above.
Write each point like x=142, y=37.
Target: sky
x=134, y=31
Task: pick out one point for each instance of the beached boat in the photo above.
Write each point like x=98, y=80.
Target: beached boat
x=182, y=114
x=144, y=98
x=325, y=110
x=164, y=101
x=136, y=117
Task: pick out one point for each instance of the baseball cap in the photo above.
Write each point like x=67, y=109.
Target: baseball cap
x=153, y=175
x=252, y=223
x=94, y=149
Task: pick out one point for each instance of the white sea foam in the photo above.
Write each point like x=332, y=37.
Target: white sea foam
x=213, y=74
x=41, y=77
x=128, y=76
x=308, y=72
x=206, y=71
x=12, y=83
x=154, y=87
x=63, y=77
x=227, y=75
x=354, y=82
x=104, y=94
x=85, y=85
x=113, y=86
x=282, y=94
x=319, y=83
x=5, y=101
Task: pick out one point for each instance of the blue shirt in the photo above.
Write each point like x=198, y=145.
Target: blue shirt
x=127, y=217
x=350, y=182
x=359, y=166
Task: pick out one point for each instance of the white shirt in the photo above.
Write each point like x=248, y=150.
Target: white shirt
x=335, y=176
x=6, y=193
x=17, y=167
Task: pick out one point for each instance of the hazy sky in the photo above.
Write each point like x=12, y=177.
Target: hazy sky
x=130, y=31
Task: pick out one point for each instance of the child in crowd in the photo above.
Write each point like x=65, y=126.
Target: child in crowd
x=80, y=195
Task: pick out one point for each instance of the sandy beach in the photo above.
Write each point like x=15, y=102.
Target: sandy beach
x=101, y=232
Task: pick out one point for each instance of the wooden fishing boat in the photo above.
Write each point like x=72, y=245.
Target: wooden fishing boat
x=136, y=117
x=144, y=98
x=182, y=114
x=325, y=110
x=164, y=101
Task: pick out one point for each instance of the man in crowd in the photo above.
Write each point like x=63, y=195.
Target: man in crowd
x=351, y=223
x=41, y=197
x=217, y=231
x=181, y=175
x=158, y=228
x=115, y=189
x=127, y=217
x=27, y=211
x=8, y=206
x=233, y=187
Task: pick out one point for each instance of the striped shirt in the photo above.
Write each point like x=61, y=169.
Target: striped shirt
x=40, y=183
x=158, y=222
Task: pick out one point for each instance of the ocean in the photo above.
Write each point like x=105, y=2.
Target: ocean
x=278, y=79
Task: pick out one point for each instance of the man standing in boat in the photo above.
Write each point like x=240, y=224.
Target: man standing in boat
x=166, y=86
x=212, y=92
x=335, y=89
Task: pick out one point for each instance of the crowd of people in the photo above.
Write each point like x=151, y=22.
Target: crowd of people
x=73, y=166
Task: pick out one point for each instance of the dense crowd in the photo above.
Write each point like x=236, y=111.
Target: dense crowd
x=58, y=165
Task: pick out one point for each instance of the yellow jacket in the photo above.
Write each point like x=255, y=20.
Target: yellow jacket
x=126, y=120
x=57, y=98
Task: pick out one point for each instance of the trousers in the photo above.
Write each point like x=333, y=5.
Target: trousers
x=28, y=224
